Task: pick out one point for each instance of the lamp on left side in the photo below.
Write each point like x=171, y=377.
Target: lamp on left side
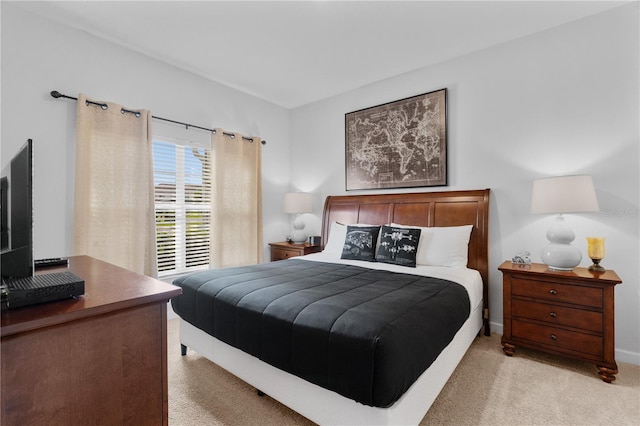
x=297, y=203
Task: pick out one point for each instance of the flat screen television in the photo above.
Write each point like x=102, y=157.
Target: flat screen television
x=17, y=214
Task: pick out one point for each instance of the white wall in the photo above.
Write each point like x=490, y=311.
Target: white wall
x=564, y=101
x=39, y=56
x=559, y=102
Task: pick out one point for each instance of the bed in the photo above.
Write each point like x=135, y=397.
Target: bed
x=264, y=323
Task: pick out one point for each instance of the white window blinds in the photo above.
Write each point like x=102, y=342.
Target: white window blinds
x=182, y=182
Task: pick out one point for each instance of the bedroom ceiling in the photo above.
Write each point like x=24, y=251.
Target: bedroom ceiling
x=296, y=52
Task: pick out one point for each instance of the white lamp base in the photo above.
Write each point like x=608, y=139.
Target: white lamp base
x=560, y=255
x=298, y=235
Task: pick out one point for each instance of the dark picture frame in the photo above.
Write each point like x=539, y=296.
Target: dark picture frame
x=399, y=144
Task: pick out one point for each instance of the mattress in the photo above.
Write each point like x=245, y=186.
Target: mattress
x=470, y=279
x=364, y=332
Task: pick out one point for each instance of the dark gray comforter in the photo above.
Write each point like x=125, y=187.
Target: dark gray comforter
x=366, y=334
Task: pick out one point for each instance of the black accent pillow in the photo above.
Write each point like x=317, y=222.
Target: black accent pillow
x=360, y=243
x=398, y=245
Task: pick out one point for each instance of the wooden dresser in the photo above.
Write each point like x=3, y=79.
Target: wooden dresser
x=285, y=250
x=568, y=313
x=97, y=359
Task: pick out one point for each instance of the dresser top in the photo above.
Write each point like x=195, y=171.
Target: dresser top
x=608, y=276
x=108, y=288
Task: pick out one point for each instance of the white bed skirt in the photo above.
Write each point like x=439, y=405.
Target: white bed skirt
x=326, y=407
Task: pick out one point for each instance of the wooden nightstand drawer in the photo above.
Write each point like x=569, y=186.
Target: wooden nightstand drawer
x=281, y=254
x=554, y=291
x=557, y=337
x=285, y=250
x=558, y=315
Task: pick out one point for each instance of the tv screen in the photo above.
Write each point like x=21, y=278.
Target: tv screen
x=17, y=215
x=4, y=214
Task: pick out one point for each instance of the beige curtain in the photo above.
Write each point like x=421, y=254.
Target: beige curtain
x=236, y=211
x=114, y=216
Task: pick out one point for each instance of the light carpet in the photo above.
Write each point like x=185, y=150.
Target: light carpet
x=487, y=388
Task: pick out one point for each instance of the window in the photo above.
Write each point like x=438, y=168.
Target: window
x=182, y=182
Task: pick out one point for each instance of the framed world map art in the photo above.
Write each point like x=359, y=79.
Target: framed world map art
x=400, y=144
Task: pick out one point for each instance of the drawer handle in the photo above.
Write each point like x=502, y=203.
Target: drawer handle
x=554, y=337
x=553, y=292
x=553, y=314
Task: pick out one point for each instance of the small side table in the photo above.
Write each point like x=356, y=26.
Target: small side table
x=569, y=313
x=285, y=250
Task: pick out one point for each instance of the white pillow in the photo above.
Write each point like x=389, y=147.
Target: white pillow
x=335, y=242
x=442, y=246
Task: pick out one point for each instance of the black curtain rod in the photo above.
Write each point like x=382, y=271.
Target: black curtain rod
x=57, y=94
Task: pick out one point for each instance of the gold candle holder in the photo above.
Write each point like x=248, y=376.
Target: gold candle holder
x=595, y=250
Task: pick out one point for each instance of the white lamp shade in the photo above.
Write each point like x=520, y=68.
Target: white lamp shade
x=297, y=202
x=564, y=194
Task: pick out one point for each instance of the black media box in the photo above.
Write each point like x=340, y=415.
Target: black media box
x=41, y=288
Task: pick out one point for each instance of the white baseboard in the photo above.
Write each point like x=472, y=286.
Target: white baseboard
x=627, y=357
x=496, y=327
x=621, y=354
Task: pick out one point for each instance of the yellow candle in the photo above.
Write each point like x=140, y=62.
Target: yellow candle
x=595, y=247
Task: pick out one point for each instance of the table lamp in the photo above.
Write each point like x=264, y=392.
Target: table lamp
x=297, y=203
x=563, y=194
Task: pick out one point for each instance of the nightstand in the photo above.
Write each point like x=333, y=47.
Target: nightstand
x=569, y=313
x=285, y=250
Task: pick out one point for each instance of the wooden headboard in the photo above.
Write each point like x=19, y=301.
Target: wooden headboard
x=450, y=208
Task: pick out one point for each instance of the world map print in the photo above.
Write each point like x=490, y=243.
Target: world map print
x=400, y=144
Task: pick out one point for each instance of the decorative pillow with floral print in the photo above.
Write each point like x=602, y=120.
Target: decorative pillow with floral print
x=398, y=245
